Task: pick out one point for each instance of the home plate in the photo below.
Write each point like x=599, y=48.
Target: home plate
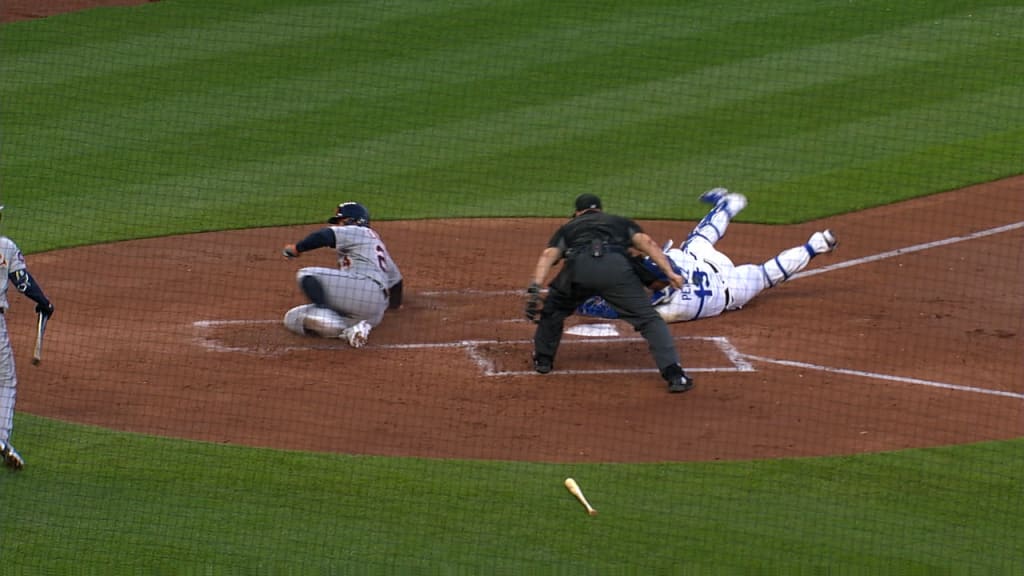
x=593, y=330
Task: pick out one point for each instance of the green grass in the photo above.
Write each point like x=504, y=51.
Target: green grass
x=158, y=504
x=190, y=115
x=213, y=114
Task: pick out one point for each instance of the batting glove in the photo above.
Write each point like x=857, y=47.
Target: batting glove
x=45, y=309
x=290, y=251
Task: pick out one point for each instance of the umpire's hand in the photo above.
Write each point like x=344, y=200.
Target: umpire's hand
x=533, y=302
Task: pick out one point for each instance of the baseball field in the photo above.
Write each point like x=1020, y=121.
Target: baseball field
x=867, y=415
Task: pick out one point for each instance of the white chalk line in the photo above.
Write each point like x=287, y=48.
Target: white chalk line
x=803, y=274
x=740, y=362
x=887, y=377
x=473, y=350
x=907, y=250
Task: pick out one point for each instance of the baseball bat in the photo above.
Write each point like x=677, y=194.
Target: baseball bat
x=575, y=490
x=37, y=356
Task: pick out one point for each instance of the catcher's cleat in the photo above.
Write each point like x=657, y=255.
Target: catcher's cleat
x=830, y=239
x=542, y=364
x=357, y=334
x=822, y=242
x=10, y=456
x=713, y=196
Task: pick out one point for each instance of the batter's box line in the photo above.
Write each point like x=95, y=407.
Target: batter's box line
x=887, y=377
x=738, y=362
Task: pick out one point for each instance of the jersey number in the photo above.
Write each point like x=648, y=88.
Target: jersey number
x=700, y=279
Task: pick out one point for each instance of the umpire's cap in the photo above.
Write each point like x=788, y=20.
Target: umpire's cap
x=587, y=202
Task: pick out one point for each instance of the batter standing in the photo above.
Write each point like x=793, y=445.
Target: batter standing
x=594, y=246
x=347, y=301
x=13, y=272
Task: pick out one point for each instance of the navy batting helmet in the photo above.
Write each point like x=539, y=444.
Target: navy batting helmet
x=351, y=213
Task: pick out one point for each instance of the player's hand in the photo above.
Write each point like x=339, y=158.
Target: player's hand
x=533, y=302
x=676, y=280
x=46, y=310
x=290, y=251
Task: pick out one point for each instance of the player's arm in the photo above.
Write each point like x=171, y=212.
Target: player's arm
x=395, y=296
x=545, y=263
x=322, y=238
x=28, y=286
x=548, y=258
x=645, y=244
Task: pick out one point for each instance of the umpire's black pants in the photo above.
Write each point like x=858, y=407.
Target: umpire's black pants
x=612, y=277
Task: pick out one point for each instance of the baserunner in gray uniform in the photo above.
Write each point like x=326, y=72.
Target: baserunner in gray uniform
x=13, y=272
x=348, y=301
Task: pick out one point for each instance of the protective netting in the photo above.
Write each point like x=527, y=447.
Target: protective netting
x=864, y=408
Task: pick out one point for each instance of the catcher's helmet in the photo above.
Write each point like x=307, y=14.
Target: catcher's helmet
x=351, y=213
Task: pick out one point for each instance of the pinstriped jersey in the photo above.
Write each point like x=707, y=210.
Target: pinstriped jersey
x=362, y=252
x=11, y=260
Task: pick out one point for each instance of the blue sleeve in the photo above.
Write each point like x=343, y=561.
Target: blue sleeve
x=27, y=285
x=322, y=238
x=652, y=266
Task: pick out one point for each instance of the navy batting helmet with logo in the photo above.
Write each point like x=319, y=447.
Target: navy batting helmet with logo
x=351, y=213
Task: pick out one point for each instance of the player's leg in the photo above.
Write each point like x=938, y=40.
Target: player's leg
x=558, y=305
x=313, y=320
x=311, y=285
x=725, y=206
x=634, y=306
x=8, y=393
x=359, y=304
x=747, y=281
x=618, y=285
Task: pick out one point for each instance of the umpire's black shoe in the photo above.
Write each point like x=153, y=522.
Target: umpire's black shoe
x=677, y=380
x=680, y=383
x=542, y=364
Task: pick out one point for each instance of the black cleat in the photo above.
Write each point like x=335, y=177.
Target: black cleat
x=680, y=383
x=542, y=364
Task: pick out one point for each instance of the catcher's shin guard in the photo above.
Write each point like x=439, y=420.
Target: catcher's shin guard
x=793, y=260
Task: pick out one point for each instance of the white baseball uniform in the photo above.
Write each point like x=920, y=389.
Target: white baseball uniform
x=714, y=283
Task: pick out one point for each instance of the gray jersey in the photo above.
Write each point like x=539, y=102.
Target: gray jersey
x=11, y=260
x=362, y=252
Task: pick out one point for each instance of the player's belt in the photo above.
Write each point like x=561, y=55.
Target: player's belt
x=596, y=249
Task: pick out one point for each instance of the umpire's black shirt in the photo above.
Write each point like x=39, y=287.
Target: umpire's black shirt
x=581, y=231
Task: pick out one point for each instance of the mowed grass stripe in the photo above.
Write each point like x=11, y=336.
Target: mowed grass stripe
x=192, y=31
x=194, y=95
x=265, y=65
x=488, y=134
